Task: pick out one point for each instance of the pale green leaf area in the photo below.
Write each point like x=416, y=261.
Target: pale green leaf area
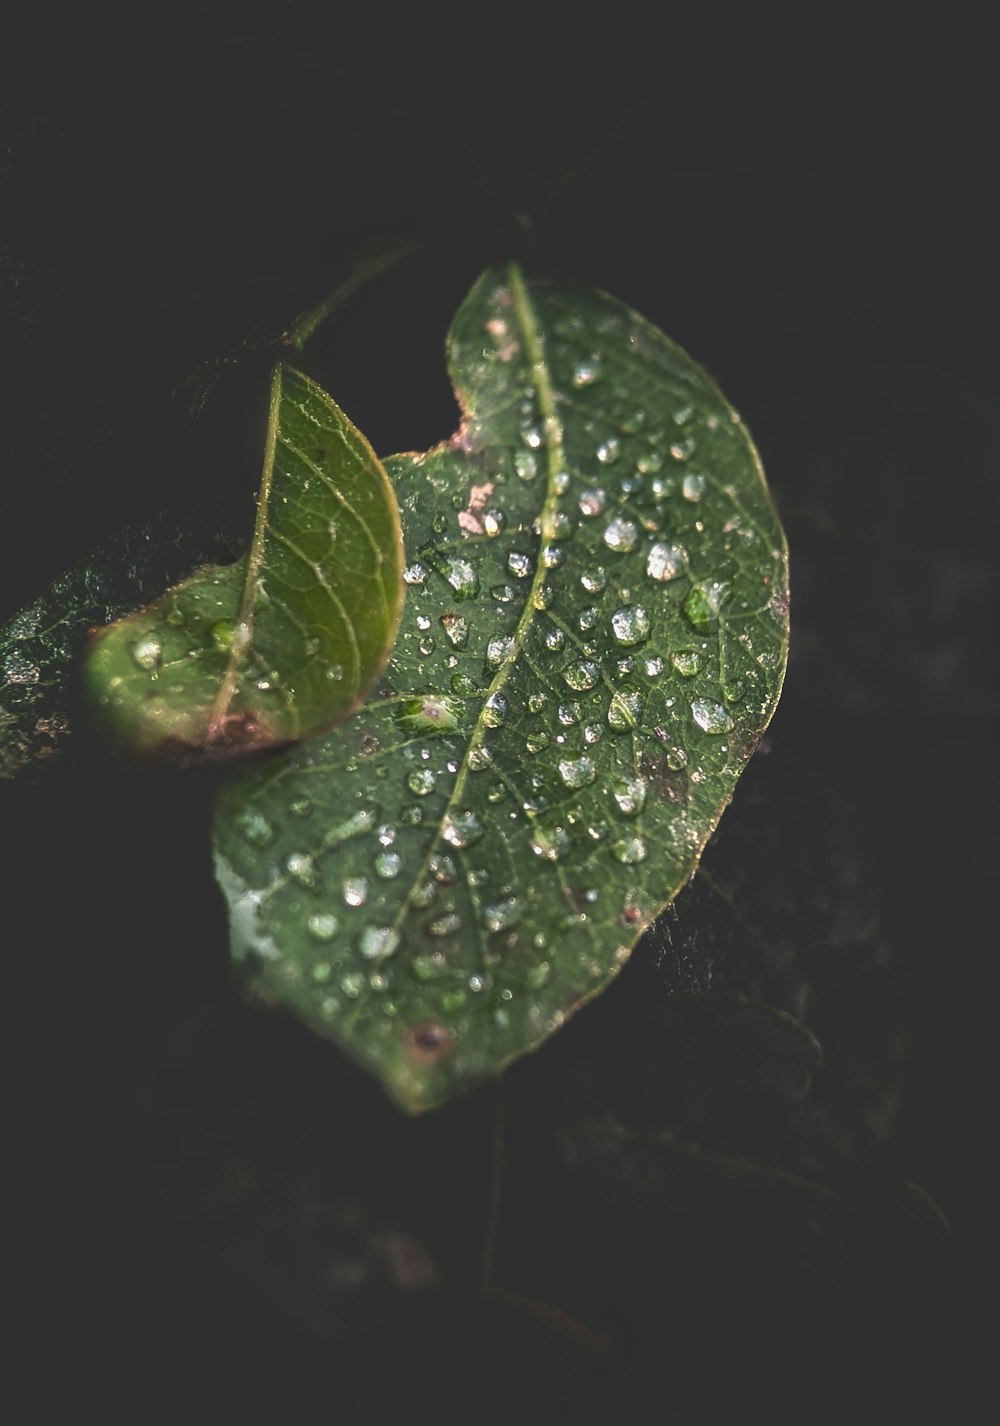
x=287, y=641
x=594, y=639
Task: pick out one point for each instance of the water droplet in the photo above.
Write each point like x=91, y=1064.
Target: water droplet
x=631, y=625
x=535, y=742
x=352, y=984
x=577, y=772
x=503, y=593
x=462, y=829
x=587, y=372
x=493, y=521
x=519, y=564
x=621, y=535
x=630, y=796
x=594, y=580
x=457, y=630
x=552, y=557
x=554, y=639
x=710, y=717
x=462, y=577
x=498, y=650
x=322, y=926
x=550, y=843
x=355, y=889
x=378, y=942
x=702, y=605
x=433, y=713
x=494, y=710
x=654, y=667
x=302, y=869
x=677, y=759
x=421, y=781
x=536, y=702
x=682, y=450
x=503, y=914
x=665, y=562
x=687, y=662
x=592, y=733
x=629, y=850
x=538, y=975
x=526, y=464
x=480, y=757
x=222, y=632
x=569, y=714
x=625, y=711
x=415, y=573
x=609, y=451
x=581, y=675
x=387, y=865
x=588, y=619
x=649, y=462
x=693, y=486
x=147, y=652
x=592, y=502
x=255, y=829
x=733, y=692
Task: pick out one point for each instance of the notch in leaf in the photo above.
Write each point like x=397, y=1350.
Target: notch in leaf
x=286, y=642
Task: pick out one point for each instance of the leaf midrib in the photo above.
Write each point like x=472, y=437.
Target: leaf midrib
x=554, y=458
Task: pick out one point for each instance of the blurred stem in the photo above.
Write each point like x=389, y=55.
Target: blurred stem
x=364, y=270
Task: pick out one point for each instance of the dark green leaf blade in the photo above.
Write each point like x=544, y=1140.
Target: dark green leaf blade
x=286, y=642
x=594, y=640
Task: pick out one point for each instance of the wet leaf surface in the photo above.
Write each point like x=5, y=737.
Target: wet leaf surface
x=594, y=639
x=287, y=641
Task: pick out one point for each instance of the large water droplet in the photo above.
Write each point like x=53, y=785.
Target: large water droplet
x=255, y=829
x=494, y=710
x=587, y=372
x=322, y=926
x=665, y=561
x=503, y=914
x=625, y=711
x=710, y=717
x=631, y=625
x=462, y=829
x=355, y=890
x=421, y=781
x=302, y=869
x=687, y=662
x=387, y=865
x=519, y=564
x=577, y=772
x=702, y=605
x=549, y=843
x=457, y=630
x=581, y=675
x=621, y=535
x=433, y=713
x=147, y=652
x=629, y=850
x=630, y=796
x=415, y=573
x=498, y=650
x=462, y=577
x=378, y=942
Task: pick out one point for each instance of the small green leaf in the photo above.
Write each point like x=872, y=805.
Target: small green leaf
x=286, y=642
x=41, y=644
x=594, y=640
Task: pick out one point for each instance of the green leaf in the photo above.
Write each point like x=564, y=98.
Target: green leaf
x=40, y=645
x=595, y=637
x=286, y=642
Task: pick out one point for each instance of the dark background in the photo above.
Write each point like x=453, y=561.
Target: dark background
x=808, y=213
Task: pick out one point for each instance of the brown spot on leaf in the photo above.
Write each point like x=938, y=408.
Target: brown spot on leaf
x=428, y=1042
